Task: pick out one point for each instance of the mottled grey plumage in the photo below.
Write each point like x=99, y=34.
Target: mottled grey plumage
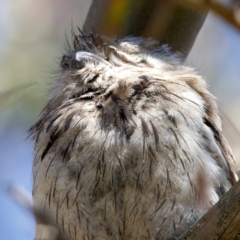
x=129, y=145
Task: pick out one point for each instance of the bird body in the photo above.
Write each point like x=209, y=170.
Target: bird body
x=129, y=145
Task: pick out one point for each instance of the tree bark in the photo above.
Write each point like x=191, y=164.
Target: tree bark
x=221, y=222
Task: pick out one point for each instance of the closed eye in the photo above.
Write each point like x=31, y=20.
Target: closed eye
x=86, y=56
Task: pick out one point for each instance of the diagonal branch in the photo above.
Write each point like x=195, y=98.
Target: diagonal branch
x=221, y=222
x=230, y=14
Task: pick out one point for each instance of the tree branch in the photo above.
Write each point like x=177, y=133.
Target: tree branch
x=221, y=222
x=163, y=20
x=229, y=14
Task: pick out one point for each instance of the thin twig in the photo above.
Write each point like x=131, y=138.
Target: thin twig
x=48, y=229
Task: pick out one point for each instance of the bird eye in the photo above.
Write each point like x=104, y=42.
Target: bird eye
x=90, y=57
x=79, y=59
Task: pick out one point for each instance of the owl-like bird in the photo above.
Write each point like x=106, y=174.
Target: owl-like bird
x=129, y=145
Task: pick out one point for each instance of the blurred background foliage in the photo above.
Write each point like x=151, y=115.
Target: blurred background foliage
x=32, y=39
